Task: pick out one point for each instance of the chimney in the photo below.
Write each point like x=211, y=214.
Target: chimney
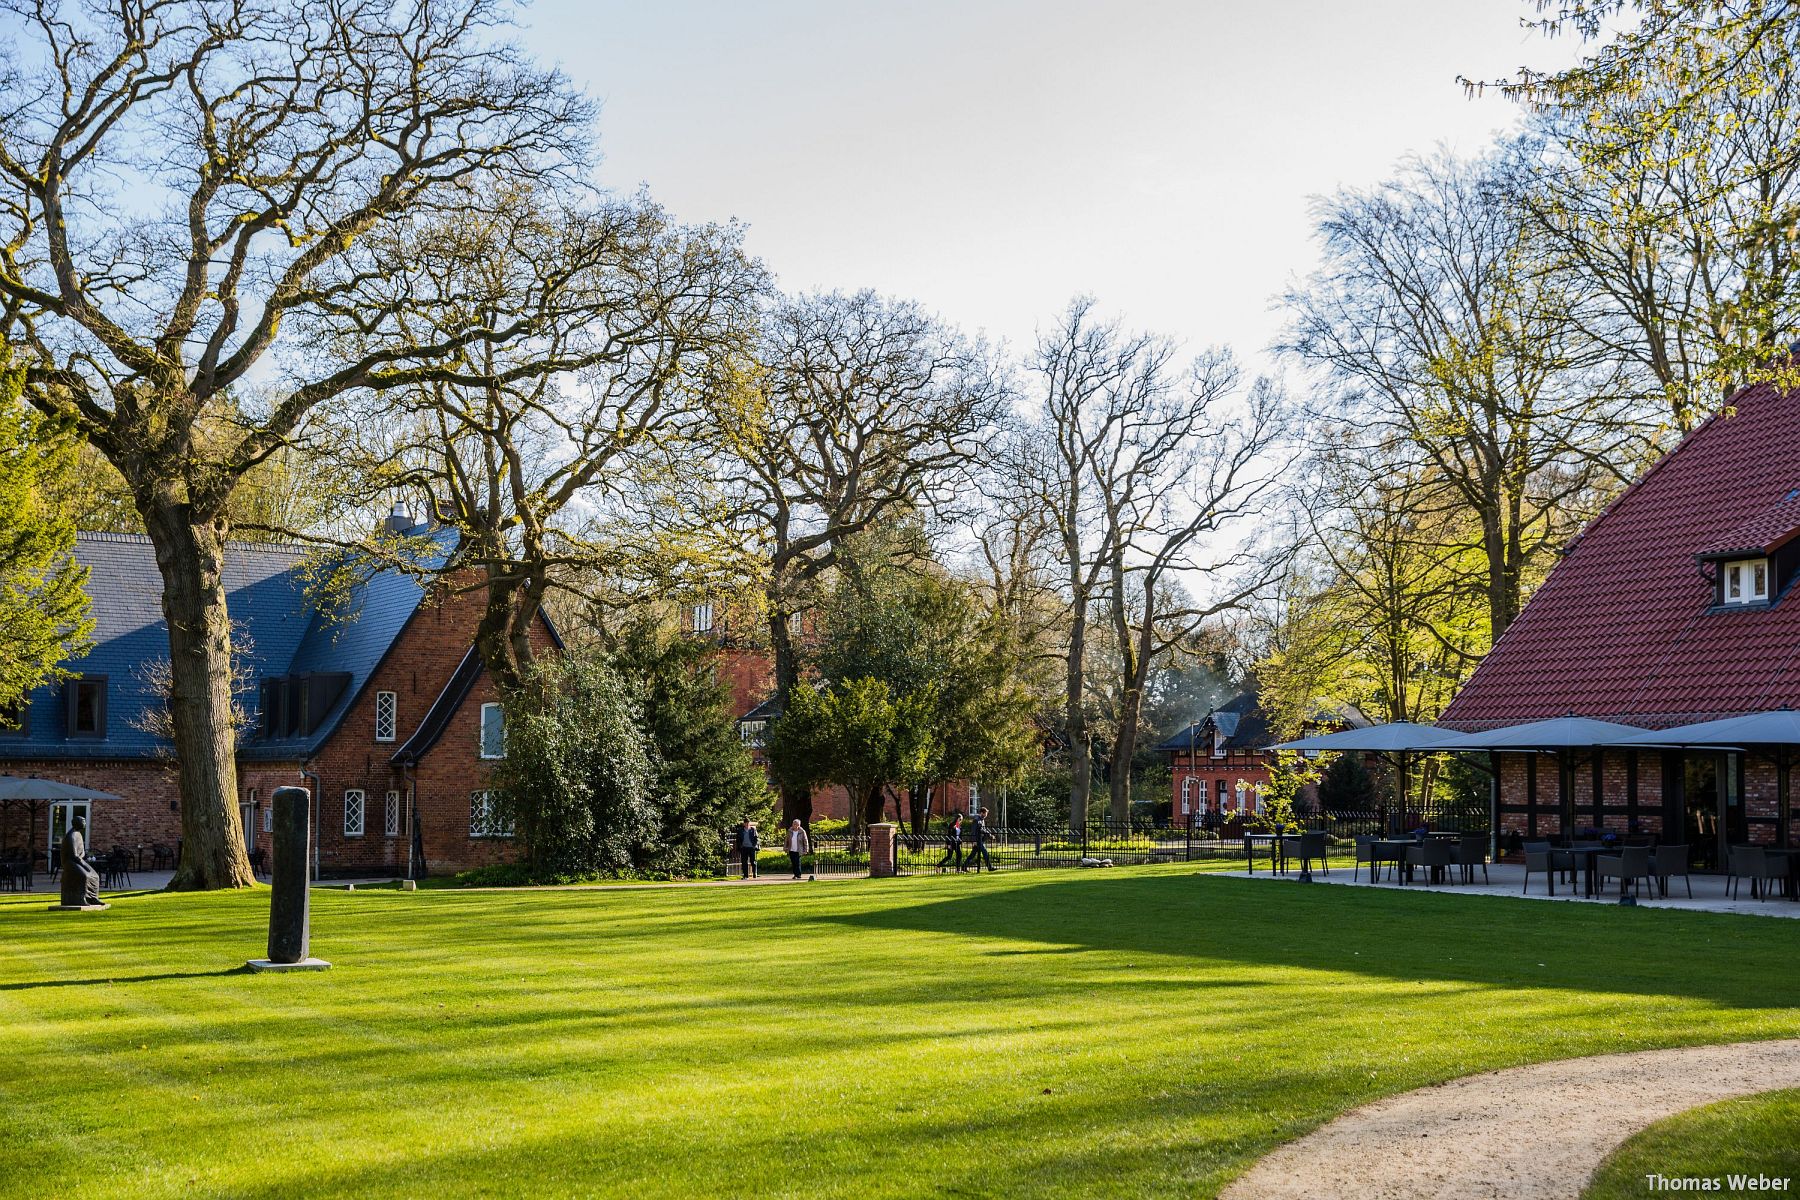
x=397, y=522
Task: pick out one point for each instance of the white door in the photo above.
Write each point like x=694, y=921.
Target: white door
x=62, y=814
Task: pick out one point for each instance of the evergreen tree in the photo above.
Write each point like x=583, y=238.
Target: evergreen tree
x=579, y=777
x=44, y=618
x=708, y=781
x=1346, y=786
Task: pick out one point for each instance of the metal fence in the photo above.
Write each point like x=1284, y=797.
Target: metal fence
x=1123, y=844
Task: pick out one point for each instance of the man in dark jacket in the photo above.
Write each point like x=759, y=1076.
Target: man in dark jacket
x=748, y=843
x=953, y=844
x=978, y=851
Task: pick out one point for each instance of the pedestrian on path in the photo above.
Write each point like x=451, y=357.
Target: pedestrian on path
x=797, y=844
x=748, y=843
x=978, y=851
x=952, y=845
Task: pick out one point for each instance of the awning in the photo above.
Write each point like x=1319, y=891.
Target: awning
x=1393, y=737
x=1558, y=733
x=1778, y=728
x=14, y=787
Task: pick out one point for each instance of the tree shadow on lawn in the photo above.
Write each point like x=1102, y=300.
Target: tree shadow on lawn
x=1738, y=962
x=100, y=980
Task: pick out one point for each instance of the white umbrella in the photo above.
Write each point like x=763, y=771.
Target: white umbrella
x=14, y=787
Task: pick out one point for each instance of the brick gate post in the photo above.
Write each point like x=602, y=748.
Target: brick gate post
x=881, y=851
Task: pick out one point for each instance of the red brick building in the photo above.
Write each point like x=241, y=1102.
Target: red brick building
x=1674, y=607
x=1220, y=763
x=379, y=706
x=747, y=667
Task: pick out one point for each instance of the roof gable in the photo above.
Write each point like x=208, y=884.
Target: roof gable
x=1624, y=628
x=278, y=628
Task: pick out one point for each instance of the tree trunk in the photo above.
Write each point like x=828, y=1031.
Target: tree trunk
x=1081, y=757
x=1124, y=748
x=796, y=802
x=918, y=798
x=874, y=805
x=190, y=554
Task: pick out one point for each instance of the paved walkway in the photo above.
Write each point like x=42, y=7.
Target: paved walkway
x=1530, y=1133
x=1507, y=879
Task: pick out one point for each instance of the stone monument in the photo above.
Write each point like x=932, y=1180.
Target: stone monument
x=80, y=882
x=290, y=897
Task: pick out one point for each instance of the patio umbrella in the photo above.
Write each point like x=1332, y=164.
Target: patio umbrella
x=14, y=787
x=1776, y=732
x=1561, y=736
x=31, y=792
x=1558, y=733
x=1394, y=740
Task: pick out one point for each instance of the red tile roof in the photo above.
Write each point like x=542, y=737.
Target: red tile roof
x=1621, y=629
x=1764, y=533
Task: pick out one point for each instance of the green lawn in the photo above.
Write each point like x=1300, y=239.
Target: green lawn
x=1144, y=1031
x=1757, y=1135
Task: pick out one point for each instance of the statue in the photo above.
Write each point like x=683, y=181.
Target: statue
x=80, y=882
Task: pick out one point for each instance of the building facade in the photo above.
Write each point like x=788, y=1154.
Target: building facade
x=378, y=705
x=1675, y=606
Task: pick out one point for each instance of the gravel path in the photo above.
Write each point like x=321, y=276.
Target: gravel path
x=1528, y=1133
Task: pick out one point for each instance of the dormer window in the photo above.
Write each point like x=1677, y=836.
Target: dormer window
x=1744, y=581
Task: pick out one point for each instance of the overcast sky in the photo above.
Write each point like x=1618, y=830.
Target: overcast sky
x=992, y=158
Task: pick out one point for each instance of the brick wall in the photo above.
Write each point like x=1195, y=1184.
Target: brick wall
x=143, y=817
x=417, y=669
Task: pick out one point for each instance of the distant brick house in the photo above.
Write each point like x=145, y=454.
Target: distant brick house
x=1675, y=606
x=1220, y=763
x=747, y=668
x=380, y=707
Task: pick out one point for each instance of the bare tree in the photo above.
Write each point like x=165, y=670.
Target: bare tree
x=858, y=409
x=1147, y=474
x=535, y=449
x=179, y=175
x=1439, y=323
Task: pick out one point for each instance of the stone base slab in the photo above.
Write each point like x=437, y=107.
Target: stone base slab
x=79, y=907
x=306, y=964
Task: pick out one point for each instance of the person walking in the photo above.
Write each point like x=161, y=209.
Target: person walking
x=952, y=845
x=797, y=844
x=748, y=843
x=978, y=851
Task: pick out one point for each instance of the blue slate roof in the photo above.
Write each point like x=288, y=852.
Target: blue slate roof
x=280, y=631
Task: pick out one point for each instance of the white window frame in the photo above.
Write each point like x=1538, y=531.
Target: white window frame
x=481, y=747
x=1737, y=584
x=392, y=701
x=483, y=821
x=390, y=815
x=1218, y=746
x=700, y=616
x=356, y=802
x=751, y=733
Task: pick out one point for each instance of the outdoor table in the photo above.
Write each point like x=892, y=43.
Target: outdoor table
x=1590, y=868
x=1391, y=850
x=1278, y=852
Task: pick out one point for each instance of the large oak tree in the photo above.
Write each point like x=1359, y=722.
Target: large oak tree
x=179, y=175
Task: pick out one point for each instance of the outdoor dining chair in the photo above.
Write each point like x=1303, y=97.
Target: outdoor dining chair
x=1434, y=857
x=1541, y=858
x=1472, y=852
x=1312, y=849
x=1630, y=866
x=1749, y=862
x=1667, y=862
x=1364, y=843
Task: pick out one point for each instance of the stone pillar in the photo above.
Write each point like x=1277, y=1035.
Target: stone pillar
x=290, y=900
x=881, y=851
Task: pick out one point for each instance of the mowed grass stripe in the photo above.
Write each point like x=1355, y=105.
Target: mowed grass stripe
x=1141, y=1031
